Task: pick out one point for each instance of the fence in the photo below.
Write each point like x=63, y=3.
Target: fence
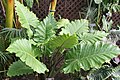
x=70, y=9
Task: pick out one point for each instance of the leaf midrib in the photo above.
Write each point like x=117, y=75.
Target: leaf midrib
x=80, y=27
x=65, y=41
x=88, y=56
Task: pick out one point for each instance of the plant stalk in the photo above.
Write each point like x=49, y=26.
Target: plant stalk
x=98, y=17
x=57, y=60
x=53, y=6
x=9, y=13
x=3, y=71
x=89, y=9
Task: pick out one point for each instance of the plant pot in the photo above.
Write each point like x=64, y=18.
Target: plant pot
x=49, y=79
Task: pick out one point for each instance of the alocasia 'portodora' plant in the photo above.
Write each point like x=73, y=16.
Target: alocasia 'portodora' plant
x=74, y=45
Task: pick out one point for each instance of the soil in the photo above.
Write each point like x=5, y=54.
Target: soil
x=28, y=77
x=33, y=77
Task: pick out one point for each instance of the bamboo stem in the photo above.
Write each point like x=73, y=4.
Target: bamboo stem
x=9, y=13
x=53, y=6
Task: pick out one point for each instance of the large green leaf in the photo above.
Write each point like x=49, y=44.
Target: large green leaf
x=26, y=17
x=45, y=30
x=62, y=23
x=63, y=41
x=92, y=37
x=24, y=51
x=88, y=56
x=18, y=68
x=77, y=26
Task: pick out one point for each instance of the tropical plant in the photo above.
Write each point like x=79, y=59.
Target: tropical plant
x=105, y=72
x=97, y=9
x=10, y=30
x=5, y=58
x=89, y=58
x=69, y=46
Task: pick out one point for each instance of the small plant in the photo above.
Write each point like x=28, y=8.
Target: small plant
x=105, y=72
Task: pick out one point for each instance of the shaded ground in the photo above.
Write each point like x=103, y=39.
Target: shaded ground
x=33, y=77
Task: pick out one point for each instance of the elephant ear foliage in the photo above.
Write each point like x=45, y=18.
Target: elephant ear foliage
x=77, y=26
x=26, y=17
x=92, y=37
x=88, y=56
x=18, y=68
x=23, y=49
x=63, y=41
x=45, y=30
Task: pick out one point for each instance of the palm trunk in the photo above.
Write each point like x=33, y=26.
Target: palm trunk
x=9, y=13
